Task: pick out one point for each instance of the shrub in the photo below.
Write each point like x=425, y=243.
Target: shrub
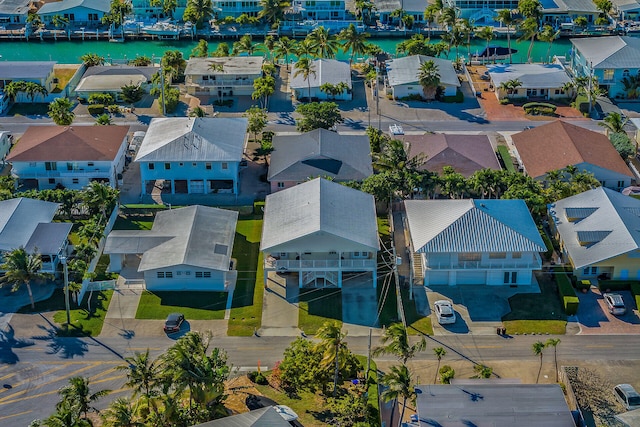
x=616, y=285
x=457, y=98
x=570, y=300
x=539, y=108
x=113, y=109
x=503, y=152
x=411, y=97
x=446, y=374
x=504, y=101
x=547, y=242
x=96, y=109
x=258, y=207
x=101, y=98
x=223, y=102
x=635, y=291
x=258, y=378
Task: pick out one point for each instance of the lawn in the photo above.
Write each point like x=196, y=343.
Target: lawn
x=133, y=222
x=318, y=306
x=194, y=305
x=23, y=109
x=416, y=324
x=54, y=303
x=83, y=321
x=537, y=313
x=63, y=74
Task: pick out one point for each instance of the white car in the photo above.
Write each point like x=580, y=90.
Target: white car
x=444, y=312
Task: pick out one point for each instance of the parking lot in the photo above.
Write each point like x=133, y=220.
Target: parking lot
x=594, y=317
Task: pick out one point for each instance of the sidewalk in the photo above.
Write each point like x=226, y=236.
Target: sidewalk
x=280, y=307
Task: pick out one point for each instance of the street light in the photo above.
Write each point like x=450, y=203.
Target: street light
x=63, y=260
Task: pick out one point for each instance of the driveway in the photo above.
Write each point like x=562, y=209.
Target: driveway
x=359, y=302
x=594, y=317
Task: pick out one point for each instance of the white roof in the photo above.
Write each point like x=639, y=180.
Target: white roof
x=610, y=52
x=194, y=139
x=597, y=225
x=65, y=5
x=231, y=65
x=31, y=70
x=19, y=219
x=472, y=226
x=331, y=216
x=405, y=70
x=326, y=71
x=532, y=76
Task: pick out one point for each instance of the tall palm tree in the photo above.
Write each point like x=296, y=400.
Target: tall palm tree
x=100, y=198
x=244, y=45
x=448, y=17
x=430, y=15
x=538, y=350
x=283, y=48
x=304, y=48
x=395, y=340
x=60, y=111
x=429, y=78
x=66, y=415
x=272, y=10
x=505, y=16
x=548, y=34
x=174, y=60
x=331, y=345
x=268, y=45
x=92, y=59
x=363, y=10
x=467, y=28
x=553, y=342
x=486, y=33
x=77, y=392
x=531, y=10
x=353, y=40
x=121, y=414
x=306, y=68
x=440, y=352
x=614, y=122
x=398, y=383
x=143, y=375
x=198, y=12
x=324, y=43
x=22, y=268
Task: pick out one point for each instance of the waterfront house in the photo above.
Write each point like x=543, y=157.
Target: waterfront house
x=330, y=10
x=225, y=76
x=323, y=232
x=319, y=153
x=193, y=155
x=79, y=12
x=537, y=81
x=15, y=11
x=235, y=8
x=28, y=223
x=46, y=157
x=111, y=78
x=150, y=11
x=414, y=8
x=610, y=59
x=6, y=140
x=40, y=72
x=330, y=71
x=558, y=12
x=402, y=76
x=187, y=249
x=626, y=10
x=556, y=145
x=466, y=154
x=599, y=234
x=473, y=242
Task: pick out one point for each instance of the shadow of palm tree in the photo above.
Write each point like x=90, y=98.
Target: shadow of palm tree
x=8, y=342
x=66, y=347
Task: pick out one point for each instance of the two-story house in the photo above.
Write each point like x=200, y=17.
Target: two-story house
x=557, y=12
x=235, y=8
x=40, y=72
x=46, y=157
x=78, y=12
x=192, y=155
x=225, y=76
x=148, y=10
x=325, y=71
x=330, y=10
x=414, y=8
x=321, y=231
x=473, y=242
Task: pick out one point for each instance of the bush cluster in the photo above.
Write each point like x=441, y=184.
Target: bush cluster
x=539, y=108
x=570, y=300
x=96, y=109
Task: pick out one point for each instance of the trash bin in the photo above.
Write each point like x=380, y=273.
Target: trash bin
x=499, y=331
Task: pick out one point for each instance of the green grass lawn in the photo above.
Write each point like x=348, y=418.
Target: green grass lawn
x=194, y=305
x=318, y=306
x=25, y=109
x=54, y=303
x=134, y=222
x=246, y=311
x=83, y=321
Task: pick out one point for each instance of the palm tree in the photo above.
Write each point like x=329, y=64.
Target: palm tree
x=466, y=29
x=304, y=48
x=486, y=33
x=553, y=342
x=429, y=78
x=331, y=345
x=66, y=415
x=361, y=6
x=325, y=44
x=143, y=375
x=198, y=12
x=121, y=414
x=430, y=15
x=353, y=40
x=283, y=48
x=510, y=86
x=174, y=60
x=103, y=120
x=99, y=198
x=244, y=45
x=395, y=341
x=529, y=30
x=197, y=112
x=505, y=16
x=92, y=59
x=272, y=10
x=268, y=45
x=306, y=68
x=78, y=394
x=398, y=385
x=448, y=17
x=614, y=122
x=60, y=111
x=538, y=349
x=440, y=352
x=21, y=268
x=548, y=34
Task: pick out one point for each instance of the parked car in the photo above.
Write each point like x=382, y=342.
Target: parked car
x=628, y=396
x=173, y=322
x=615, y=304
x=444, y=312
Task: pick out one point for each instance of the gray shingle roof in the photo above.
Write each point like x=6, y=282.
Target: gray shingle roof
x=19, y=219
x=406, y=70
x=231, y=65
x=610, y=52
x=472, y=226
x=331, y=215
x=626, y=5
x=64, y=5
x=12, y=70
x=408, y=5
x=14, y=7
x=569, y=6
x=263, y=417
x=49, y=237
x=612, y=228
x=198, y=236
x=530, y=75
x=326, y=71
x=194, y=139
x=320, y=153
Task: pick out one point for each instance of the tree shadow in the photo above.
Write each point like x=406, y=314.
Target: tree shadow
x=8, y=342
x=66, y=347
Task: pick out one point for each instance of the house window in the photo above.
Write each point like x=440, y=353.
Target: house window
x=497, y=255
x=152, y=166
x=160, y=274
x=532, y=92
x=207, y=166
x=90, y=164
x=225, y=165
x=620, y=183
x=625, y=73
x=205, y=78
x=590, y=271
x=608, y=75
x=52, y=181
x=71, y=166
x=333, y=253
x=361, y=254
x=50, y=166
x=510, y=277
x=194, y=164
x=168, y=274
x=557, y=91
x=514, y=277
x=281, y=185
x=180, y=164
x=75, y=181
x=516, y=255
x=178, y=273
x=167, y=166
x=469, y=256
x=199, y=274
x=206, y=274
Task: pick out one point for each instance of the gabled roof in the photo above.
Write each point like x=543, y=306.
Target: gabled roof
x=228, y=65
x=405, y=70
x=326, y=71
x=320, y=153
x=65, y=5
x=263, y=417
x=49, y=237
x=198, y=236
x=388, y=6
x=609, y=225
x=194, y=139
x=69, y=143
x=530, y=75
x=320, y=208
x=569, y=6
x=113, y=77
x=556, y=145
x=465, y=153
x=610, y=52
x=626, y=6
x=19, y=219
x=29, y=70
x=472, y=226
x=15, y=7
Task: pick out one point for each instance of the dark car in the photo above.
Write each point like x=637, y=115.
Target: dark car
x=173, y=322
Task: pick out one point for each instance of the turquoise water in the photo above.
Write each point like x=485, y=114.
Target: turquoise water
x=70, y=51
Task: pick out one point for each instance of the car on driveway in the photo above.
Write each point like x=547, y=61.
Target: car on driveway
x=615, y=304
x=444, y=312
x=173, y=322
x=628, y=396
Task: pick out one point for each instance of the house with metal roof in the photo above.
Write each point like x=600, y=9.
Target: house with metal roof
x=610, y=59
x=263, y=417
x=556, y=145
x=186, y=249
x=557, y=12
x=27, y=223
x=15, y=11
x=192, y=155
x=46, y=157
x=322, y=231
x=473, y=242
x=40, y=72
x=402, y=76
x=537, y=81
x=325, y=71
x=78, y=12
x=415, y=8
x=111, y=78
x=599, y=234
x=318, y=153
x=627, y=10
x=223, y=76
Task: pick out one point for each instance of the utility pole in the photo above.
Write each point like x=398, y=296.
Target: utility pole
x=378, y=94
x=63, y=260
x=589, y=86
x=164, y=108
x=366, y=375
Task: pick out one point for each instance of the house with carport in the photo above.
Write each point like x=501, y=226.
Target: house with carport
x=599, y=234
x=40, y=72
x=537, y=81
x=321, y=231
x=473, y=242
x=402, y=76
x=325, y=71
x=111, y=78
x=222, y=76
x=187, y=249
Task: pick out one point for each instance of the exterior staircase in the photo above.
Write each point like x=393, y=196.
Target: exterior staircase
x=330, y=277
x=416, y=263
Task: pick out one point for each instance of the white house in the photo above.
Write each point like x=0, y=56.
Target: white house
x=537, y=81
x=6, y=140
x=27, y=223
x=322, y=231
x=40, y=72
x=224, y=76
x=473, y=242
x=193, y=155
x=330, y=10
x=71, y=156
x=402, y=75
x=329, y=71
x=186, y=249
x=235, y=8
x=111, y=78
x=415, y=8
x=78, y=12
x=148, y=10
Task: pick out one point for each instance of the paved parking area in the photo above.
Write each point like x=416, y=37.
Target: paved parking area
x=594, y=317
x=359, y=302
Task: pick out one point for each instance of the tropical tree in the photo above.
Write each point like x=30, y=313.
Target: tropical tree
x=316, y=115
x=66, y=415
x=398, y=386
x=581, y=22
x=77, y=392
x=257, y=118
x=440, y=352
x=395, y=341
x=121, y=414
x=132, y=93
x=141, y=61
x=353, y=41
x=431, y=15
x=548, y=34
x=306, y=68
x=429, y=78
x=221, y=51
x=505, y=17
x=201, y=50
x=272, y=10
x=324, y=43
x=305, y=49
x=486, y=33
x=92, y=59
x=531, y=10
x=448, y=17
x=283, y=48
x=263, y=88
x=197, y=112
x=268, y=45
x=143, y=375
x=198, y=12
x=510, y=86
x=22, y=268
x=605, y=7
x=538, y=350
x=100, y=198
x=168, y=6
x=174, y=61
x=59, y=21
x=104, y=120
x=363, y=10
x=331, y=345
x=553, y=342
x=466, y=29
x=60, y=111
x=614, y=122
x=244, y=45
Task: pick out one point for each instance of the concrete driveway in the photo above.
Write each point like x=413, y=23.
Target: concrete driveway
x=359, y=302
x=594, y=317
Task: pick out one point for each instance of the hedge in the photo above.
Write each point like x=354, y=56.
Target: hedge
x=258, y=207
x=547, y=242
x=539, y=108
x=503, y=152
x=96, y=109
x=635, y=291
x=570, y=300
x=538, y=104
x=616, y=285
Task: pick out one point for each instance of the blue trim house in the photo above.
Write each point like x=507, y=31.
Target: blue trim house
x=78, y=12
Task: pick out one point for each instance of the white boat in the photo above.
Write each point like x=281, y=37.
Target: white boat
x=396, y=129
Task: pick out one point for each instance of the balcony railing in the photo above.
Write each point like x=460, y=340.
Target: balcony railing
x=78, y=173
x=477, y=265
x=318, y=264
x=222, y=83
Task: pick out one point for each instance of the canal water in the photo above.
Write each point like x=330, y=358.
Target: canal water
x=69, y=52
